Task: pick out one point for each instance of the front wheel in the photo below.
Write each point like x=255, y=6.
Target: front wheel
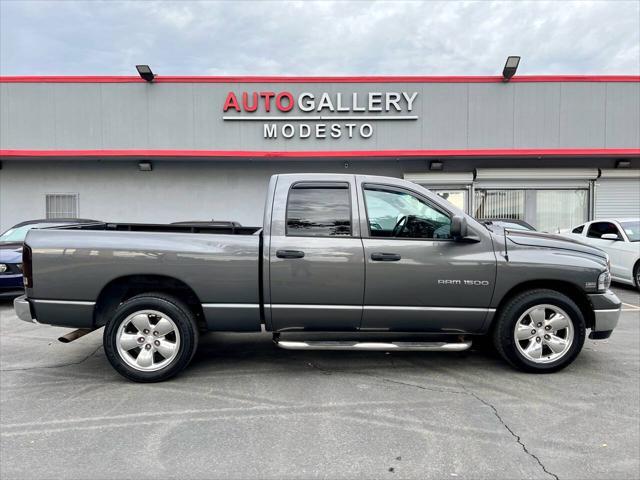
x=540, y=331
x=150, y=338
x=636, y=275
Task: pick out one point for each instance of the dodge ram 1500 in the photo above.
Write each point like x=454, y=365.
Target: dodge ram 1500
x=378, y=263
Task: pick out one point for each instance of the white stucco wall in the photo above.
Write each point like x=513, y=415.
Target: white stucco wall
x=173, y=191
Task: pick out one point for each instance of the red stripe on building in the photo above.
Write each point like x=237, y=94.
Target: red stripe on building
x=560, y=152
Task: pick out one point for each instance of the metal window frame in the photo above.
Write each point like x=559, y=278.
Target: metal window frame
x=76, y=196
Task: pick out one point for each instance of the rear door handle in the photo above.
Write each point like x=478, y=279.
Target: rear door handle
x=289, y=254
x=385, y=257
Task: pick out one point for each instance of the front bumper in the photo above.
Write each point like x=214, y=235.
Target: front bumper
x=606, y=311
x=22, y=308
x=11, y=285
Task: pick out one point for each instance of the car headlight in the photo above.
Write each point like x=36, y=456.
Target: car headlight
x=604, y=281
x=3, y=267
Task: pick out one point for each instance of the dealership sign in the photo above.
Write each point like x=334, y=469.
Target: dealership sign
x=328, y=115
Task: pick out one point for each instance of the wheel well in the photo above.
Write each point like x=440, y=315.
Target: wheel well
x=567, y=288
x=123, y=288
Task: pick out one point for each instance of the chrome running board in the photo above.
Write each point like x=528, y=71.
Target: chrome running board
x=375, y=346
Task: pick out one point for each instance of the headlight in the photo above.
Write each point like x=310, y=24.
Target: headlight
x=3, y=268
x=604, y=281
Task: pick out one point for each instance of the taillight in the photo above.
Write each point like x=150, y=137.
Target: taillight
x=27, y=270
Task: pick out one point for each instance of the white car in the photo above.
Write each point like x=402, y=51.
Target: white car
x=620, y=238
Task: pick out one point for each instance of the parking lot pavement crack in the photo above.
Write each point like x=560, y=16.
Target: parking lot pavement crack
x=23, y=369
x=421, y=387
x=466, y=391
x=510, y=430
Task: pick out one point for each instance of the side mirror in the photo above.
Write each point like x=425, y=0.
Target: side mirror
x=458, y=227
x=610, y=236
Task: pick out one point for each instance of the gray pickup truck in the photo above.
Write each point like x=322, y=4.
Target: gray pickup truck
x=342, y=262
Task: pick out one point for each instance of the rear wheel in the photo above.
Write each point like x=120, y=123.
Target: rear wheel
x=150, y=337
x=540, y=331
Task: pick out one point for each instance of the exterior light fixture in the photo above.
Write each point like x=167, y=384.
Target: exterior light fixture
x=623, y=164
x=145, y=72
x=510, y=68
x=145, y=166
x=435, y=165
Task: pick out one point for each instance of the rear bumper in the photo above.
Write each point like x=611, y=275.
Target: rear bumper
x=23, y=309
x=606, y=310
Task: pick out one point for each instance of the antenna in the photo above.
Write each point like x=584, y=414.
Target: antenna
x=506, y=251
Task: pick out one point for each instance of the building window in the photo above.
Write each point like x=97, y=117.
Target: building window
x=556, y=210
x=548, y=210
x=62, y=205
x=319, y=210
x=499, y=204
x=457, y=197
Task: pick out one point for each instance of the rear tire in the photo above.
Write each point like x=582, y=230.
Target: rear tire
x=539, y=331
x=150, y=337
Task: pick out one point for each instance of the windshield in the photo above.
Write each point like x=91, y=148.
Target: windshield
x=15, y=235
x=632, y=229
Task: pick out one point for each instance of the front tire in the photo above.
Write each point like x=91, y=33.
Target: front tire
x=151, y=337
x=540, y=331
x=636, y=275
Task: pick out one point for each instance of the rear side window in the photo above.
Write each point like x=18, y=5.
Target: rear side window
x=597, y=229
x=319, y=210
x=578, y=229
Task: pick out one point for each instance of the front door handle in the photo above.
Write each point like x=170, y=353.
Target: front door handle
x=289, y=254
x=385, y=257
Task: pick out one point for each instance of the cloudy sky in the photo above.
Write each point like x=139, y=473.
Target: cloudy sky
x=317, y=38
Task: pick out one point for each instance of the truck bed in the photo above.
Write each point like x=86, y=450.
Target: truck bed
x=74, y=265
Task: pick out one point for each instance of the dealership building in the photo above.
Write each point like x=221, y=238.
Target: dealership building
x=551, y=150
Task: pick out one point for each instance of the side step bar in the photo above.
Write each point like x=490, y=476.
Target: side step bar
x=375, y=346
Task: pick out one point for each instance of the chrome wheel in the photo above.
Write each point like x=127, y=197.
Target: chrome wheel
x=544, y=333
x=148, y=340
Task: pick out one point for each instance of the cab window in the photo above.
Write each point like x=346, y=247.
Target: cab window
x=578, y=229
x=395, y=213
x=597, y=229
x=319, y=210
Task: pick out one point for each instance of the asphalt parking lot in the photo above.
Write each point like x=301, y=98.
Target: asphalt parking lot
x=246, y=409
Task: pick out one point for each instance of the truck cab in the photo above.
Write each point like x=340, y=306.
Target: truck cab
x=353, y=252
